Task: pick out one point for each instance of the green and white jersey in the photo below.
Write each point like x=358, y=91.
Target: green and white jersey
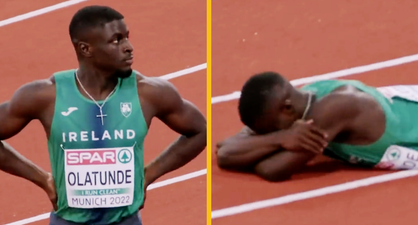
x=98, y=168
x=397, y=148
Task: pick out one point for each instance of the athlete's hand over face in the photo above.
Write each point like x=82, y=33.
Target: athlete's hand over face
x=303, y=135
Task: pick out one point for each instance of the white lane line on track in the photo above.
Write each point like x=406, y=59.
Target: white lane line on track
x=184, y=72
x=326, y=190
x=341, y=73
x=39, y=12
x=311, y=194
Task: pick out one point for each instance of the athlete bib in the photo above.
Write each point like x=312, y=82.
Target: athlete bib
x=399, y=158
x=99, y=178
x=408, y=92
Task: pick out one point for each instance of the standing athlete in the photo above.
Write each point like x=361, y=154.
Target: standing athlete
x=96, y=118
x=343, y=119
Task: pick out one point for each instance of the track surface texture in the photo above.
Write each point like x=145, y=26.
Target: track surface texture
x=303, y=39
x=167, y=37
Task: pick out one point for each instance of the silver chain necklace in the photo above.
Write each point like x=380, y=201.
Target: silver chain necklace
x=100, y=106
x=307, y=105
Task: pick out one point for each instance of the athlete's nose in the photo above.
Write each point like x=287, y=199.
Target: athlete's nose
x=128, y=47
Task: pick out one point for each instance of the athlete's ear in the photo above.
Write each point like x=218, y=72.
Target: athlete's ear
x=85, y=49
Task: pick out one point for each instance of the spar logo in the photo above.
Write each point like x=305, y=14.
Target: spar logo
x=91, y=157
x=393, y=153
x=124, y=156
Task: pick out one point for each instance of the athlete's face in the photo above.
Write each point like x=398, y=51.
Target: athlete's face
x=280, y=112
x=111, y=49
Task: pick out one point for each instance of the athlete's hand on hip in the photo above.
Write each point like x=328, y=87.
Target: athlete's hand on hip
x=145, y=196
x=146, y=183
x=303, y=135
x=51, y=192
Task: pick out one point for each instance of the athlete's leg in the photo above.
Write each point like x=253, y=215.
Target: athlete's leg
x=55, y=220
x=139, y=218
x=132, y=220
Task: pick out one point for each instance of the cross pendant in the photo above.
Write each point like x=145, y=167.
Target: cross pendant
x=101, y=116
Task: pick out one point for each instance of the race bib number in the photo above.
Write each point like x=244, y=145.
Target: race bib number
x=399, y=158
x=99, y=178
x=409, y=92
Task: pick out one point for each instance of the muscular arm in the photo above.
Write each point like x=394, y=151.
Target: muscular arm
x=182, y=117
x=333, y=114
x=260, y=154
x=245, y=149
x=14, y=116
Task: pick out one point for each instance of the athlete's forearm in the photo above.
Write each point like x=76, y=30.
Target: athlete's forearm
x=243, y=151
x=280, y=166
x=179, y=153
x=14, y=163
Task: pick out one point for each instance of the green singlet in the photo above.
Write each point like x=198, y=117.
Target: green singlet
x=397, y=148
x=98, y=168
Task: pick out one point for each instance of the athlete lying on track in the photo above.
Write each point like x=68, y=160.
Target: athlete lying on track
x=96, y=119
x=352, y=122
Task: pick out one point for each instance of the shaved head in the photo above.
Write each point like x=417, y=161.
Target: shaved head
x=91, y=17
x=255, y=95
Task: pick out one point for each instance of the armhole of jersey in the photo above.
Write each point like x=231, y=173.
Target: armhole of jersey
x=57, y=88
x=142, y=117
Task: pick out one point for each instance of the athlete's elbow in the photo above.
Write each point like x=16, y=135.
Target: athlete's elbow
x=3, y=157
x=201, y=127
x=222, y=158
x=225, y=159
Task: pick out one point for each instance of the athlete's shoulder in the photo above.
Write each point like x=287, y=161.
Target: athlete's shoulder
x=158, y=92
x=340, y=106
x=155, y=86
x=36, y=87
x=33, y=97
